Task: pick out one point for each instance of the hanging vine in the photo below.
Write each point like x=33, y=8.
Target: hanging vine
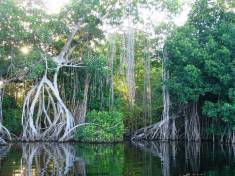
x=147, y=105
x=130, y=67
x=112, y=55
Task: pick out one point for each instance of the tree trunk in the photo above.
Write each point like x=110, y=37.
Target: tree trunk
x=130, y=68
x=166, y=131
x=81, y=110
x=1, y=100
x=147, y=97
x=112, y=56
x=4, y=133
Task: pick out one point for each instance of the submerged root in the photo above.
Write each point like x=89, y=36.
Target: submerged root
x=45, y=116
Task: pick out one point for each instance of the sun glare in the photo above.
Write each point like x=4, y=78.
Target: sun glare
x=25, y=50
x=54, y=6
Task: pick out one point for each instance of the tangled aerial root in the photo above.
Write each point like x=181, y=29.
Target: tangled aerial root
x=45, y=117
x=4, y=134
x=163, y=130
x=150, y=132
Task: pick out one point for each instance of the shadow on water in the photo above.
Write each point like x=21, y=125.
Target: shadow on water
x=138, y=158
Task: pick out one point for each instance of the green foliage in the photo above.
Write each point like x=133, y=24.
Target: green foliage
x=210, y=109
x=36, y=71
x=201, y=62
x=11, y=115
x=96, y=65
x=104, y=127
x=133, y=118
x=29, y=25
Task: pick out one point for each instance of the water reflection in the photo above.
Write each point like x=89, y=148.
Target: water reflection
x=164, y=151
x=4, y=149
x=192, y=158
x=47, y=159
x=53, y=159
x=138, y=158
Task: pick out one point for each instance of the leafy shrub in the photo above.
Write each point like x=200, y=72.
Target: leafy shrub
x=12, y=120
x=133, y=118
x=105, y=127
x=11, y=115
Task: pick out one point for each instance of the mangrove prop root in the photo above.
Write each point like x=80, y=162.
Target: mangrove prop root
x=150, y=132
x=4, y=135
x=192, y=123
x=45, y=116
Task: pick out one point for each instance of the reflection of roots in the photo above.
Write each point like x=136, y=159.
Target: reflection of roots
x=192, y=156
x=4, y=150
x=161, y=150
x=45, y=116
x=47, y=159
x=167, y=154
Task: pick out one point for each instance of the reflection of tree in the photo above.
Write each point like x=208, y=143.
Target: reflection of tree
x=228, y=151
x=65, y=159
x=80, y=167
x=102, y=159
x=50, y=159
x=167, y=152
x=143, y=158
x=4, y=150
x=164, y=155
x=192, y=156
x=162, y=150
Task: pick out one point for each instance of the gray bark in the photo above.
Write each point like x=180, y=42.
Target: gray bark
x=82, y=109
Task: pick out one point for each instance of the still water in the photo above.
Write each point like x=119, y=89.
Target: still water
x=126, y=159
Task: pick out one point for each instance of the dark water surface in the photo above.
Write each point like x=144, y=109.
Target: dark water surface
x=140, y=158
